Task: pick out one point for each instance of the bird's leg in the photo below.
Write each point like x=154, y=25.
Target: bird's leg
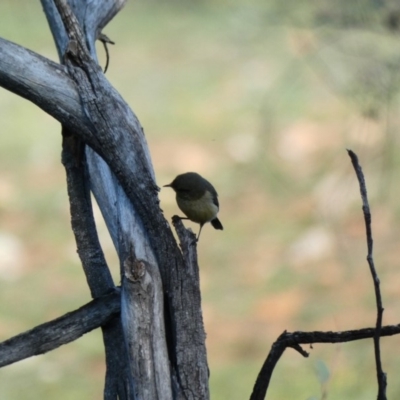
x=198, y=235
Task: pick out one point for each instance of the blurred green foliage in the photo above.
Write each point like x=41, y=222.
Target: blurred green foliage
x=262, y=98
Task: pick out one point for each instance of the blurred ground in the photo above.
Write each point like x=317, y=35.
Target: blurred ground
x=262, y=98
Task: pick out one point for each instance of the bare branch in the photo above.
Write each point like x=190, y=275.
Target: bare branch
x=96, y=15
x=192, y=338
x=381, y=376
x=125, y=187
x=105, y=39
x=120, y=140
x=43, y=82
x=73, y=28
x=98, y=276
x=60, y=331
x=294, y=339
x=141, y=305
x=82, y=220
x=93, y=16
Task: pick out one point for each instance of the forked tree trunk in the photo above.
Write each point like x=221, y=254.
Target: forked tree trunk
x=155, y=348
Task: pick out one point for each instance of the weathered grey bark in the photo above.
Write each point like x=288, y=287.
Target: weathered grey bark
x=142, y=303
x=118, y=381
x=44, y=82
x=63, y=330
x=116, y=163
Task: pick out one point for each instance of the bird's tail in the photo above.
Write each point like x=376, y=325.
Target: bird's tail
x=216, y=223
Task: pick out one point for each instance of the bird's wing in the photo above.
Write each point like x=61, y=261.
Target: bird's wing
x=213, y=192
x=215, y=199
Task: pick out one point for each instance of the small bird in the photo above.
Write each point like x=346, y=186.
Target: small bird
x=197, y=199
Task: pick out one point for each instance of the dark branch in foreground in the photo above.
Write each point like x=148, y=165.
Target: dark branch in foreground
x=62, y=330
x=381, y=376
x=93, y=261
x=295, y=339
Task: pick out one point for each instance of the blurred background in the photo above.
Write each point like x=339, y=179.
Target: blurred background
x=262, y=98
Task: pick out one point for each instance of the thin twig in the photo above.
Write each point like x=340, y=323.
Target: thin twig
x=381, y=376
x=295, y=339
x=105, y=39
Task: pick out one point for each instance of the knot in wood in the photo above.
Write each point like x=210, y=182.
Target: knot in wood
x=134, y=269
x=72, y=48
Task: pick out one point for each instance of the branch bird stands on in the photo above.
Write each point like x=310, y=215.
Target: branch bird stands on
x=197, y=199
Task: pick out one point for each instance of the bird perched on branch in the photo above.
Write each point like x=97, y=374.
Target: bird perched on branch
x=197, y=199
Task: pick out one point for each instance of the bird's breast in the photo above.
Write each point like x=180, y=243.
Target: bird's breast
x=200, y=210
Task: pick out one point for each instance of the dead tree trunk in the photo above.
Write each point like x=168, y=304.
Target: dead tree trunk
x=155, y=345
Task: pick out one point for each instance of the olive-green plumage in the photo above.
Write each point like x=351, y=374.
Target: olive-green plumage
x=197, y=199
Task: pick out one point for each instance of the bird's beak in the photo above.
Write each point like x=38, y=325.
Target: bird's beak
x=169, y=185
